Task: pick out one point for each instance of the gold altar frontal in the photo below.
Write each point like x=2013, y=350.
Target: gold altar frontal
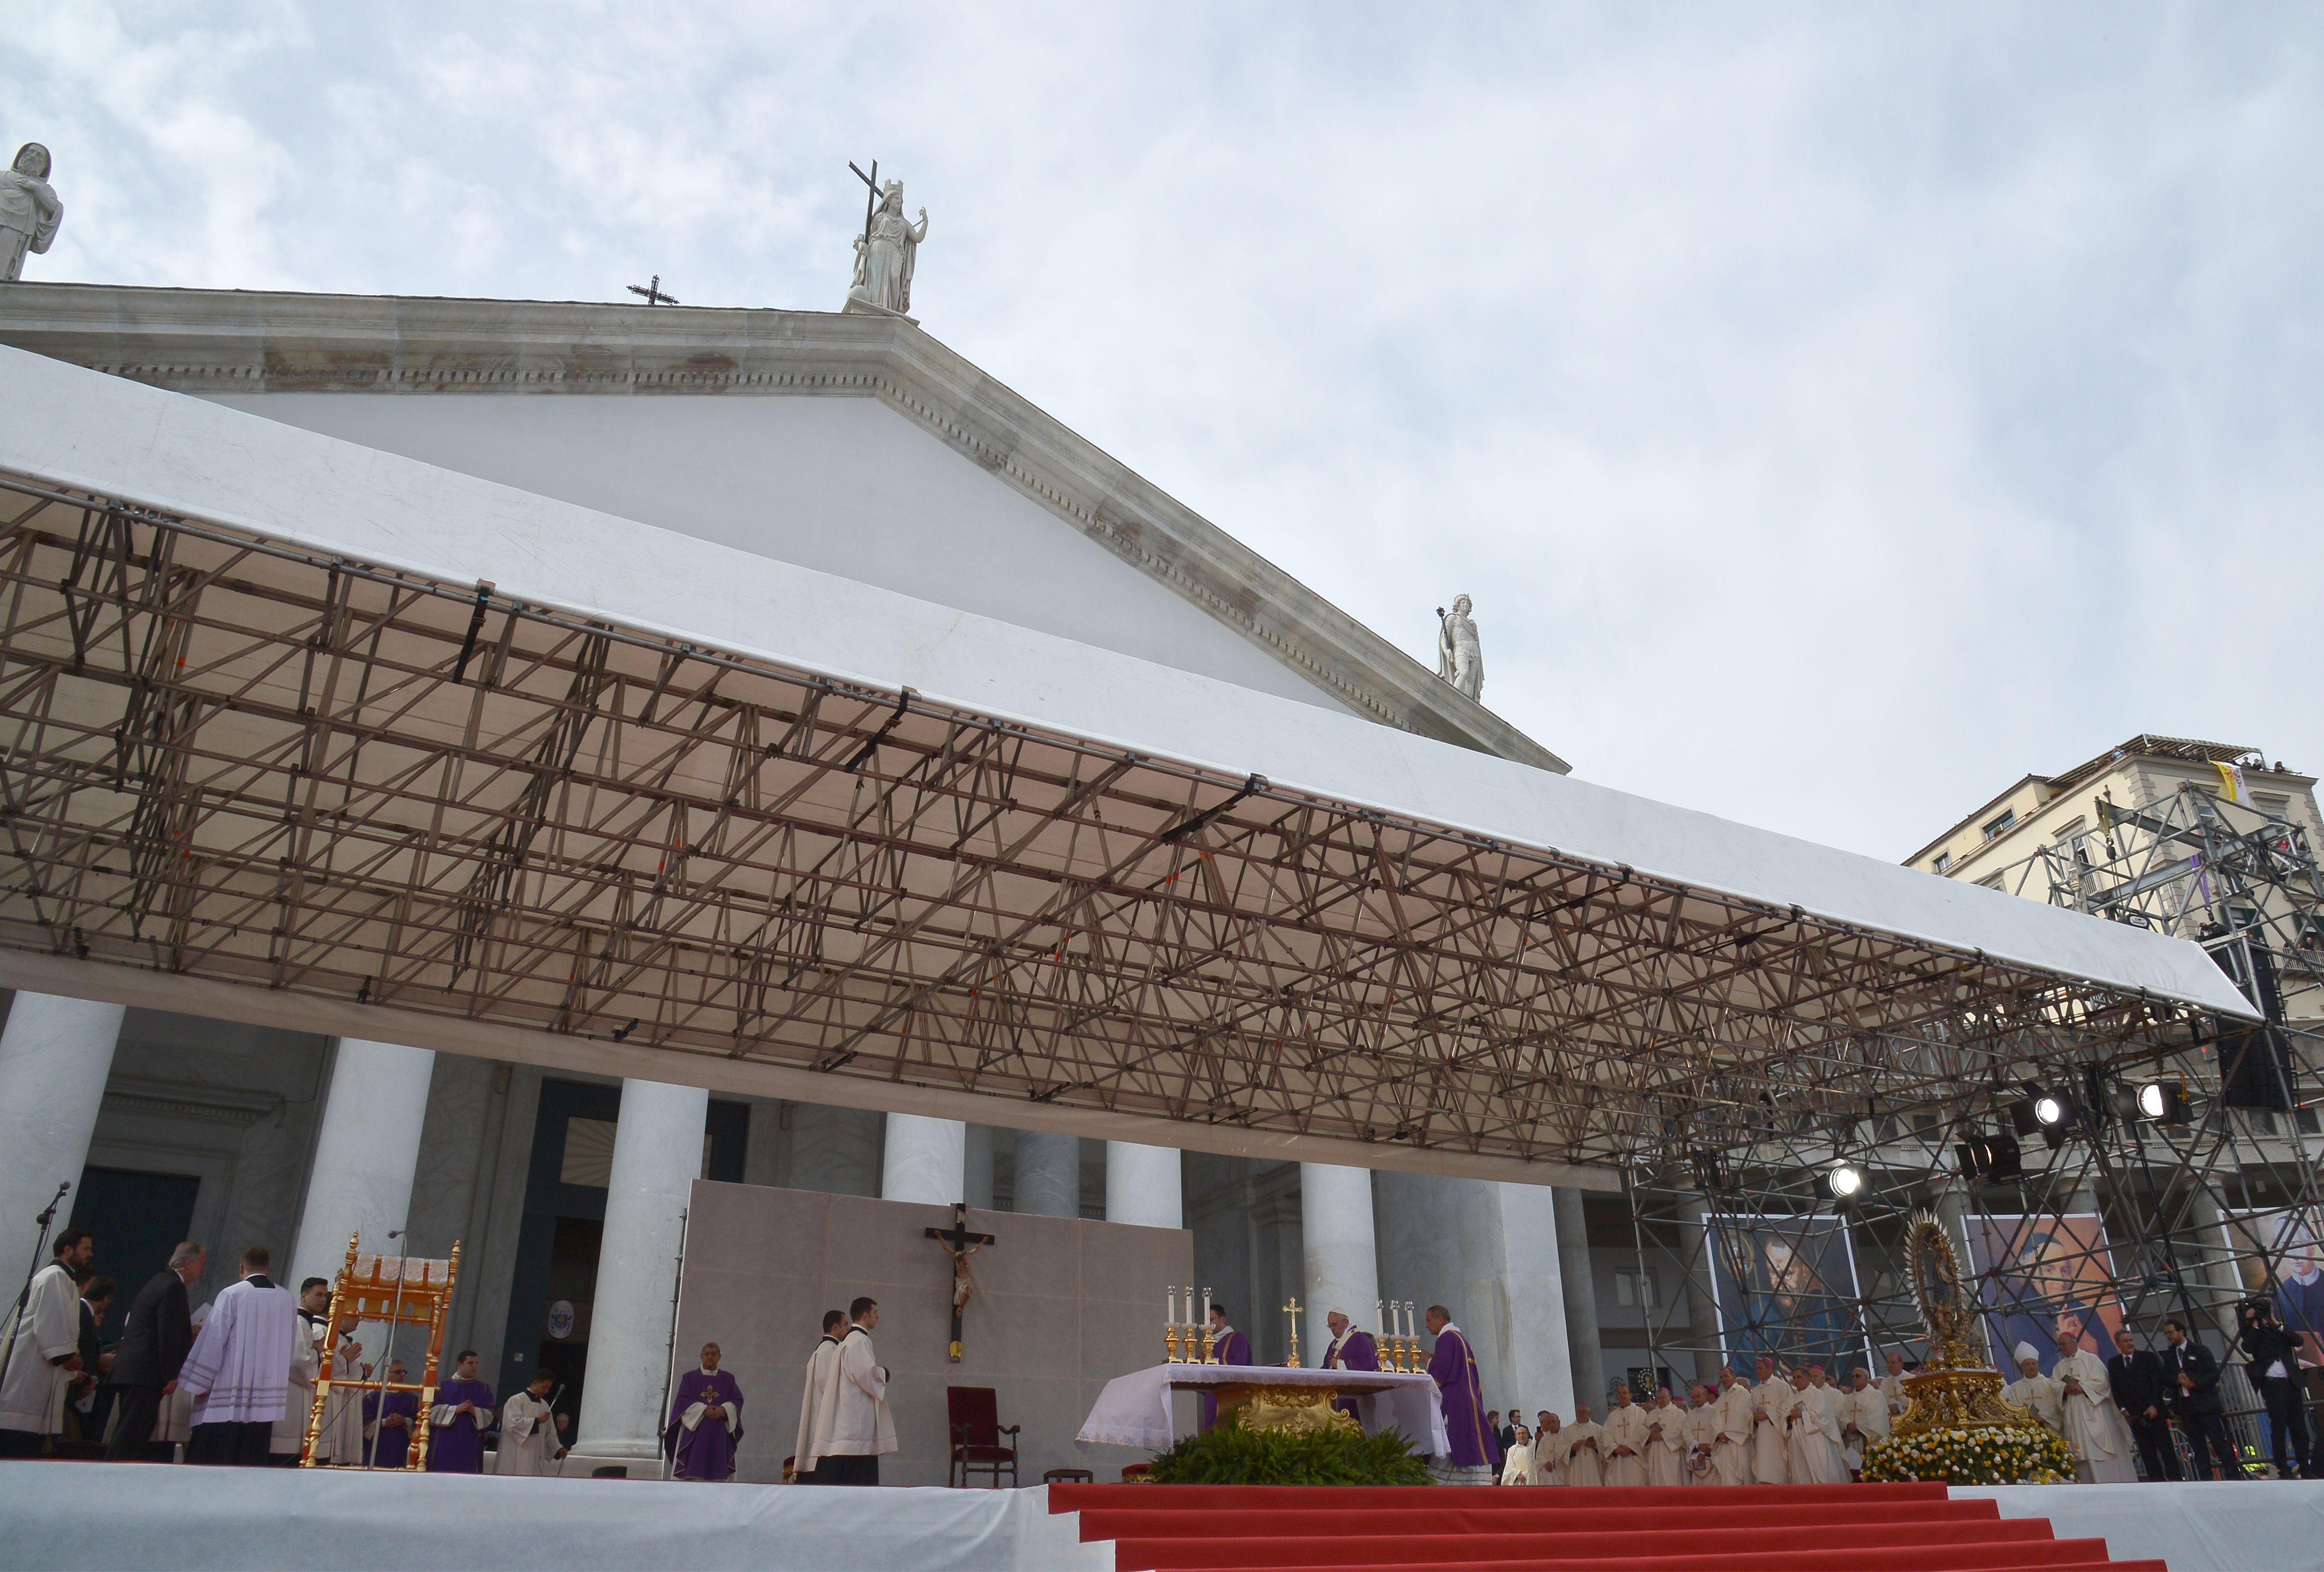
x=1257, y=1405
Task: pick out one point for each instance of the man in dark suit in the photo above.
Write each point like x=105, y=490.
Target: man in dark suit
x=155, y=1342
x=2194, y=1377
x=2143, y=1393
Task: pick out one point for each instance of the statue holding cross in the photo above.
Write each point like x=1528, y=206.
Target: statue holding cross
x=887, y=250
x=959, y=1244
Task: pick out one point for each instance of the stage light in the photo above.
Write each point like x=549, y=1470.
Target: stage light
x=2048, y=1111
x=2163, y=1102
x=1989, y=1159
x=2022, y=1117
x=1843, y=1181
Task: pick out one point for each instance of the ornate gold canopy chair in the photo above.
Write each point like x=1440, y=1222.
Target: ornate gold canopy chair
x=393, y=1291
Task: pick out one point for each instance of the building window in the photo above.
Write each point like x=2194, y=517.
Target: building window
x=2001, y=824
x=1943, y=863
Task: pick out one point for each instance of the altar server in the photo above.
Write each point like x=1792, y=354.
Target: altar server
x=529, y=1430
x=389, y=1420
x=2035, y=1391
x=457, y=1424
x=42, y=1349
x=1585, y=1458
x=1772, y=1401
x=1813, y=1430
x=1549, y=1449
x=290, y=1434
x=1863, y=1417
x=1518, y=1463
x=2092, y=1425
x=861, y=1430
x=706, y=1421
x=818, y=1402
x=341, y=1439
x=1624, y=1442
x=238, y=1370
x=1475, y=1456
x=1665, y=1440
x=1228, y=1347
x=1734, y=1446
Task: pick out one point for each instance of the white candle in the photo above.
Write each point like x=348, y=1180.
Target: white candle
x=1172, y=1319
x=1206, y=1307
x=1379, y=1317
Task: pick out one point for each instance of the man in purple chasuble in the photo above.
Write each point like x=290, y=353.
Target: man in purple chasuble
x=457, y=1424
x=388, y=1426
x=1352, y=1349
x=1455, y=1367
x=706, y=1422
x=1228, y=1347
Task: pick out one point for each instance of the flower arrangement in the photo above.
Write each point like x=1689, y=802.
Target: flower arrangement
x=1982, y=1455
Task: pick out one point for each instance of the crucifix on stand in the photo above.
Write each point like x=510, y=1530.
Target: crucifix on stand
x=959, y=1244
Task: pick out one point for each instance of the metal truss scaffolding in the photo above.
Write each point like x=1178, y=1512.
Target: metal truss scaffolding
x=234, y=759
x=2072, y=1200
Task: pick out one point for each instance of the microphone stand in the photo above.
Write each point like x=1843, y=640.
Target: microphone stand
x=47, y=1219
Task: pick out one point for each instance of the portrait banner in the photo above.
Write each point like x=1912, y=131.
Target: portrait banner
x=2042, y=1273
x=2276, y=1253
x=1784, y=1289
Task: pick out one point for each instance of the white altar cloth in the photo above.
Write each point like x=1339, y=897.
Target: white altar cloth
x=1134, y=1409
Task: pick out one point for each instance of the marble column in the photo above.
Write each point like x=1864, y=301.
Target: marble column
x=1142, y=1186
x=657, y=1157
x=976, y=1164
x=835, y=1151
x=1578, y=1290
x=366, y=1153
x=55, y=1054
x=924, y=1160
x=1048, y=1181
x=1342, y=1257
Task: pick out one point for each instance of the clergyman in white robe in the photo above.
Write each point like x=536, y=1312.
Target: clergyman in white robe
x=1666, y=1442
x=340, y=1441
x=1813, y=1441
x=2091, y=1423
x=305, y=1365
x=819, y=1405
x=528, y=1432
x=2034, y=1390
x=1732, y=1447
x=1772, y=1401
x=1518, y=1465
x=1864, y=1418
x=1549, y=1452
x=1623, y=1447
x=239, y=1368
x=1585, y=1449
x=46, y=1332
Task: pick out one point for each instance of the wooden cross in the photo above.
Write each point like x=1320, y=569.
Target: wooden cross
x=652, y=293
x=960, y=1245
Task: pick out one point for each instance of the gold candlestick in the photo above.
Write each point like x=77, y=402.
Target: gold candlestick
x=1210, y=1337
x=1292, y=1307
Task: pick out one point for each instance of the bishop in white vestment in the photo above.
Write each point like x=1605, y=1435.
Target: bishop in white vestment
x=1732, y=1446
x=2034, y=1390
x=1814, y=1431
x=1772, y=1401
x=43, y=1351
x=1623, y=1446
x=1665, y=1441
x=2091, y=1423
x=1585, y=1460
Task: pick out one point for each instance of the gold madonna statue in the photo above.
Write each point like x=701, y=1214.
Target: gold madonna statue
x=1954, y=1389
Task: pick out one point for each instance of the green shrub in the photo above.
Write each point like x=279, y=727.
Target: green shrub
x=1231, y=1455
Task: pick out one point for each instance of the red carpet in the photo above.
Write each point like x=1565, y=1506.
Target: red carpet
x=1796, y=1528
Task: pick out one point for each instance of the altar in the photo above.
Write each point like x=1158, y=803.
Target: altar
x=1134, y=1409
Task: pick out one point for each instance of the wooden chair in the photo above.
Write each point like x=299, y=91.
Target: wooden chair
x=975, y=1415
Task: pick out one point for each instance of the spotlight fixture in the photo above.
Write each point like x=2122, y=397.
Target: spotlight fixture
x=1843, y=1181
x=1989, y=1159
x=2049, y=1110
x=2163, y=1102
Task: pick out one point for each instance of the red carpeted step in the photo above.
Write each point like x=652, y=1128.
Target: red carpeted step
x=1357, y=1497
x=1448, y=1512
x=2028, y=1556
x=1904, y=1545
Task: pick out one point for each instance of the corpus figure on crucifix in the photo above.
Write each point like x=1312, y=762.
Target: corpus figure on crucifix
x=959, y=1244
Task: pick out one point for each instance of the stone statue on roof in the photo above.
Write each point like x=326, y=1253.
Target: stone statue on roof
x=29, y=209
x=1460, y=658
x=885, y=253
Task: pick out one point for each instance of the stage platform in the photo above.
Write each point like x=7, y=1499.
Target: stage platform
x=95, y=1515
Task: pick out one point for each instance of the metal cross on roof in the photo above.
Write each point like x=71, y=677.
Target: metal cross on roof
x=652, y=293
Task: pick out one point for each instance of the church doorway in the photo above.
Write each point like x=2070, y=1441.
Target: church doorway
x=138, y=1219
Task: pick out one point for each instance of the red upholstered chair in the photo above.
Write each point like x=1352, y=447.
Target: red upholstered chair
x=974, y=1413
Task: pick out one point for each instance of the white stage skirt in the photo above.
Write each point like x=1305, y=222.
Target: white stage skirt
x=57, y=1515
x=2215, y=1525
x=1134, y=1409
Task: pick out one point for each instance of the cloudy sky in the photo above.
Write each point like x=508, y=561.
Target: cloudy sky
x=1836, y=412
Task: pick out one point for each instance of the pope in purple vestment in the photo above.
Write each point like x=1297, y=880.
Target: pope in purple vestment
x=705, y=1450
x=1228, y=1347
x=1455, y=1367
x=1351, y=1348
x=456, y=1440
x=392, y=1447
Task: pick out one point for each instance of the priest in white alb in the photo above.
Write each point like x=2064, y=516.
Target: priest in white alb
x=1863, y=1417
x=1665, y=1440
x=2090, y=1422
x=2034, y=1390
x=1585, y=1449
x=1624, y=1443
x=861, y=1428
x=1733, y=1445
x=529, y=1430
x=1772, y=1400
x=1518, y=1465
x=818, y=1402
x=238, y=1370
x=1549, y=1450
x=42, y=1350
x=1698, y=1436
x=1814, y=1431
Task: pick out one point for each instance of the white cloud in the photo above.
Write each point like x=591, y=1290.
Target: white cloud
x=1836, y=412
